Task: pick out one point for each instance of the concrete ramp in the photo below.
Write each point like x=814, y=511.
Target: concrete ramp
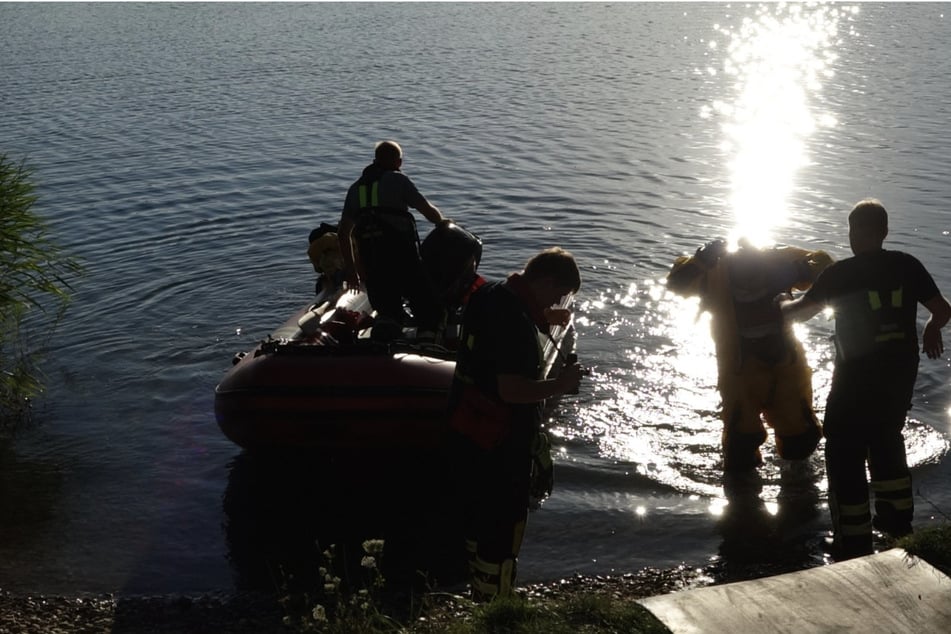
x=888, y=592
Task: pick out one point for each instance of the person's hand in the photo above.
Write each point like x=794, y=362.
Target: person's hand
x=782, y=298
x=569, y=378
x=351, y=278
x=557, y=316
x=931, y=342
x=709, y=253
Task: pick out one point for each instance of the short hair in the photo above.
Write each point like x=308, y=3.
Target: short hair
x=388, y=152
x=557, y=264
x=869, y=216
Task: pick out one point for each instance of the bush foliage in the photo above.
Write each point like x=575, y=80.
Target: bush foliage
x=33, y=276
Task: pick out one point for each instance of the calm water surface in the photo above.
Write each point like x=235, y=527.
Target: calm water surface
x=185, y=151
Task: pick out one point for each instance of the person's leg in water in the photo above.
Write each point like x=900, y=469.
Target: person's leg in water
x=848, y=496
x=891, y=483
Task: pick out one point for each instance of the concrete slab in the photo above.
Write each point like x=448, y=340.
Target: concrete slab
x=888, y=592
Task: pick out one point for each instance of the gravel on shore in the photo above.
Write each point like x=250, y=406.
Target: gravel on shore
x=262, y=613
x=241, y=613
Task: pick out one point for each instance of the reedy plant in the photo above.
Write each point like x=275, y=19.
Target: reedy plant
x=33, y=275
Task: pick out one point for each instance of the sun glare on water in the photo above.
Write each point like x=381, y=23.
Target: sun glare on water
x=656, y=413
x=664, y=425
x=776, y=61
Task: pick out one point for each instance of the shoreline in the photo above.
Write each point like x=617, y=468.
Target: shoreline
x=213, y=612
x=263, y=612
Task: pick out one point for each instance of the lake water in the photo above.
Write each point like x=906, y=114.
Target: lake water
x=184, y=152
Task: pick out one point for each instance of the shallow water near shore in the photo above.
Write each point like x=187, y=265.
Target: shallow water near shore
x=184, y=152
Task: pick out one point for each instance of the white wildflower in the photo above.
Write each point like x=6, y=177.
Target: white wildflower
x=319, y=614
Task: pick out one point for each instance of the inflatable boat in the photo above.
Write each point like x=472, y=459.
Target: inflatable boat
x=321, y=382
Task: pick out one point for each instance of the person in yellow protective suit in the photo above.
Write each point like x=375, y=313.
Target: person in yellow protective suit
x=762, y=370
x=323, y=251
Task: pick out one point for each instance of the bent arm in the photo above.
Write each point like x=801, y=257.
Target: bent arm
x=811, y=264
x=514, y=388
x=931, y=342
x=344, y=237
x=429, y=211
x=800, y=309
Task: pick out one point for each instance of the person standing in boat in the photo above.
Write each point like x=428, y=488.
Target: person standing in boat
x=376, y=220
x=495, y=411
x=874, y=296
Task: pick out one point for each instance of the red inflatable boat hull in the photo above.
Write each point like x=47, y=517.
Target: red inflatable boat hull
x=294, y=392
x=353, y=402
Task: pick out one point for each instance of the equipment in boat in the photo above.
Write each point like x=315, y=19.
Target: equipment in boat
x=320, y=381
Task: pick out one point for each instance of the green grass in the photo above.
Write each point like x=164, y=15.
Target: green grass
x=582, y=613
x=349, y=601
x=585, y=612
x=933, y=544
x=576, y=612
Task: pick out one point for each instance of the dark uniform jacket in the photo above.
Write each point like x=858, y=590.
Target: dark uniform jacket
x=498, y=337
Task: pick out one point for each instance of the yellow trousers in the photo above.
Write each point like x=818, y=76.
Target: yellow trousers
x=778, y=395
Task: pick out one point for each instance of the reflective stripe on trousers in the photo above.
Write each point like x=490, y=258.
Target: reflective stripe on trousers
x=894, y=499
x=852, y=527
x=850, y=519
x=489, y=579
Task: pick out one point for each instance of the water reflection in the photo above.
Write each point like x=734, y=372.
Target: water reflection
x=283, y=511
x=764, y=532
x=658, y=408
x=29, y=493
x=776, y=61
x=766, y=525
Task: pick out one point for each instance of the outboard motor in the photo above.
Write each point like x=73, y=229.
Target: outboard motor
x=450, y=256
